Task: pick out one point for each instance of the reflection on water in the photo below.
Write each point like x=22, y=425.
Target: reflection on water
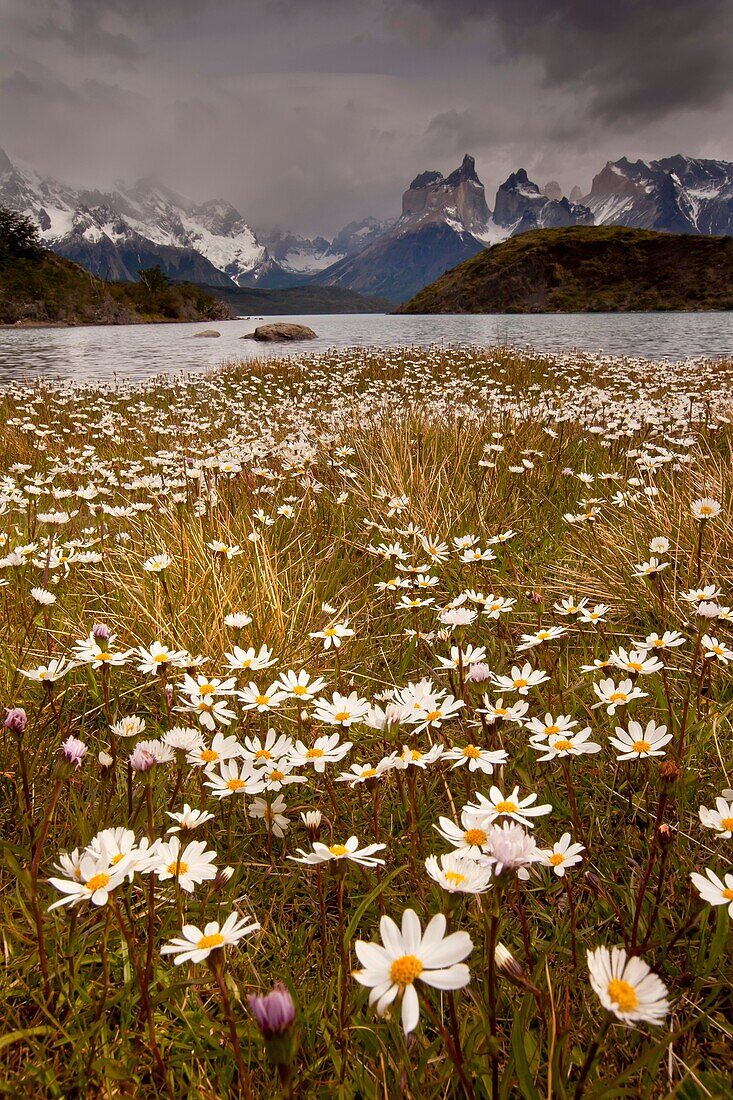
x=104, y=353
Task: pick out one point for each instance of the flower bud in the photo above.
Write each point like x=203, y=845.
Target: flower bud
x=16, y=720
x=506, y=964
x=141, y=760
x=669, y=771
x=274, y=1012
x=73, y=751
x=101, y=632
x=222, y=878
x=312, y=821
x=478, y=673
x=275, y=1016
x=105, y=762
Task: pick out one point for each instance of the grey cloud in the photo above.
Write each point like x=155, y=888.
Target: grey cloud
x=309, y=113
x=22, y=86
x=634, y=59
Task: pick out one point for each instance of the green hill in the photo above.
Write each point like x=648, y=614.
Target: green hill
x=39, y=287
x=587, y=269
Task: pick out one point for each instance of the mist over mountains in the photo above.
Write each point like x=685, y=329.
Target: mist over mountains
x=443, y=221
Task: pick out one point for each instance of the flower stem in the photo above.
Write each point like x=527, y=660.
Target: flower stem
x=590, y=1058
x=245, y=1081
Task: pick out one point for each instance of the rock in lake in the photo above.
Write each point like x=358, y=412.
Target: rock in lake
x=208, y=332
x=280, y=332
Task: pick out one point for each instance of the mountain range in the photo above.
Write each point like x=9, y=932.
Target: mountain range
x=444, y=220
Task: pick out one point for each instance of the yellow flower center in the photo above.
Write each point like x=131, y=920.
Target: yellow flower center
x=177, y=868
x=727, y=822
x=706, y=510
x=342, y=716
x=641, y=746
x=551, y=729
x=276, y=775
x=617, y=697
x=159, y=657
x=338, y=849
x=262, y=754
x=116, y=859
x=97, y=882
x=455, y=878
x=415, y=755
x=314, y=754
x=329, y=632
x=563, y=745
x=405, y=969
x=299, y=689
x=475, y=836
x=368, y=773
x=557, y=858
x=235, y=784
x=506, y=807
x=206, y=689
x=473, y=752
x=262, y=700
x=520, y=682
x=104, y=655
x=635, y=666
x=433, y=714
x=208, y=943
x=728, y=894
x=208, y=755
x=622, y=994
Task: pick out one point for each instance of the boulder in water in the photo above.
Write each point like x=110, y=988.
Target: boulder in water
x=280, y=332
x=209, y=333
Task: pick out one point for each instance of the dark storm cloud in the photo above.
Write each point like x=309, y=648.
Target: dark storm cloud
x=639, y=59
x=309, y=113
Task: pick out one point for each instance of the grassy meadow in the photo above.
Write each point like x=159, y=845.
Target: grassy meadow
x=426, y=599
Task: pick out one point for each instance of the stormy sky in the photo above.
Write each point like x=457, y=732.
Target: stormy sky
x=308, y=113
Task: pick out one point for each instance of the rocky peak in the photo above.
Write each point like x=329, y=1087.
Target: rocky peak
x=6, y=164
x=466, y=172
x=521, y=206
x=517, y=197
x=425, y=179
x=457, y=199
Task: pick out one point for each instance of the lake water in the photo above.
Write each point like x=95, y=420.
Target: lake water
x=103, y=353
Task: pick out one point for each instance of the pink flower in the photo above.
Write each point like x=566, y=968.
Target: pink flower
x=16, y=720
x=274, y=1012
x=73, y=751
x=141, y=760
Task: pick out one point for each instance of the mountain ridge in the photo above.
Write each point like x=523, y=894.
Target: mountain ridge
x=443, y=220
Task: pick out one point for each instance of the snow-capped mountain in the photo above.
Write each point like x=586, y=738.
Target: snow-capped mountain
x=673, y=195
x=116, y=234
x=521, y=206
x=444, y=220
